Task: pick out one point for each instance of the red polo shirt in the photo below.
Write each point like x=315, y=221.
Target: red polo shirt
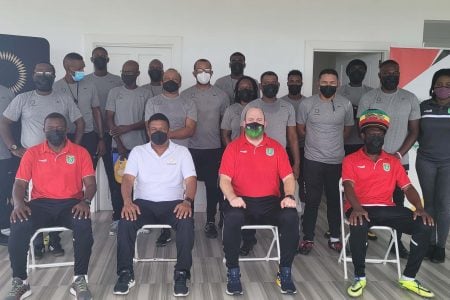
x=56, y=175
x=374, y=182
x=255, y=171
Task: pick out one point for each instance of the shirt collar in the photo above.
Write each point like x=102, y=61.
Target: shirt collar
x=244, y=141
x=46, y=148
x=362, y=155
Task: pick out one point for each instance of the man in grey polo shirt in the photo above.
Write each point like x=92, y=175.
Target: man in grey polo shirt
x=182, y=115
x=8, y=168
x=125, y=118
x=155, y=72
x=404, y=109
x=324, y=119
x=205, y=145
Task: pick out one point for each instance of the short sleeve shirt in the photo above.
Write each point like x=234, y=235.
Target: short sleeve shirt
x=32, y=108
x=85, y=95
x=374, y=182
x=211, y=105
x=324, y=122
x=5, y=98
x=232, y=120
x=155, y=90
x=128, y=107
x=255, y=171
x=56, y=176
x=278, y=115
x=177, y=110
x=401, y=107
x=104, y=84
x=160, y=178
x=296, y=105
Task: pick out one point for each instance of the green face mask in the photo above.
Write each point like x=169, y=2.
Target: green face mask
x=254, y=130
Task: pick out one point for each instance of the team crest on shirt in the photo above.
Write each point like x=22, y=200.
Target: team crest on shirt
x=387, y=167
x=70, y=159
x=270, y=151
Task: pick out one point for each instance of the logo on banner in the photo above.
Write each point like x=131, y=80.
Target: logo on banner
x=15, y=65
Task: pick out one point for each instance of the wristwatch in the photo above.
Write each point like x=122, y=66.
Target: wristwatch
x=290, y=196
x=13, y=147
x=190, y=200
x=87, y=201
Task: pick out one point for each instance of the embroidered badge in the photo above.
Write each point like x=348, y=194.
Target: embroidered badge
x=70, y=159
x=270, y=151
x=387, y=167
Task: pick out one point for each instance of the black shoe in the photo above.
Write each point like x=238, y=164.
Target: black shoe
x=234, y=286
x=284, y=281
x=180, y=288
x=402, y=251
x=3, y=240
x=438, y=255
x=56, y=250
x=39, y=252
x=247, y=246
x=124, y=283
x=164, y=238
x=210, y=230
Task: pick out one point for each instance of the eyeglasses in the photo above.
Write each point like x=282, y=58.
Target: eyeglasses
x=47, y=74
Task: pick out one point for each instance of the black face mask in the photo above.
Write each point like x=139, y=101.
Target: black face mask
x=100, y=62
x=328, y=90
x=170, y=86
x=294, y=89
x=237, y=68
x=43, y=83
x=356, y=77
x=270, y=90
x=390, y=82
x=158, y=137
x=55, y=137
x=245, y=95
x=155, y=75
x=374, y=143
x=129, y=79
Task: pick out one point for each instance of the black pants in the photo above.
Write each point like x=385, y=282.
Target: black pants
x=116, y=193
x=49, y=213
x=207, y=162
x=109, y=168
x=89, y=142
x=155, y=213
x=317, y=176
x=301, y=177
x=260, y=211
x=399, y=199
x=8, y=168
x=399, y=218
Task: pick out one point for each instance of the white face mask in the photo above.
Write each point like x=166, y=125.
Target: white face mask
x=203, y=77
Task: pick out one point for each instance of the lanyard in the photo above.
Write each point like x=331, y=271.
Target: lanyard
x=75, y=99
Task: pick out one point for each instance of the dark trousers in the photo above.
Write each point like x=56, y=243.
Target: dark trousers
x=399, y=198
x=207, y=162
x=155, y=213
x=260, y=211
x=301, y=177
x=8, y=168
x=89, y=142
x=317, y=176
x=109, y=169
x=116, y=193
x=49, y=213
x=399, y=218
x=434, y=179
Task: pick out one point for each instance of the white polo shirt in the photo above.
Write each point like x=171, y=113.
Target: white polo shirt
x=160, y=178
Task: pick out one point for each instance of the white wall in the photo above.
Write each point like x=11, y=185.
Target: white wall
x=271, y=34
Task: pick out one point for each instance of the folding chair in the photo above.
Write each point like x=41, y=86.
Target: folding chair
x=144, y=229
x=343, y=256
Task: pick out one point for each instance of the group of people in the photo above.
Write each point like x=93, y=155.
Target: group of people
x=249, y=146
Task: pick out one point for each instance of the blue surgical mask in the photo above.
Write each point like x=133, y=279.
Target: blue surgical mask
x=78, y=76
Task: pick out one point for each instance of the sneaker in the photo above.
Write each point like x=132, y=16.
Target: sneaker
x=19, y=290
x=356, y=289
x=3, y=240
x=403, y=253
x=113, y=228
x=210, y=230
x=124, y=283
x=415, y=287
x=438, y=255
x=247, y=246
x=372, y=236
x=284, y=281
x=39, y=252
x=305, y=247
x=56, y=250
x=180, y=288
x=234, y=286
x=164, y=238
x=80, y=288
x=336, y=246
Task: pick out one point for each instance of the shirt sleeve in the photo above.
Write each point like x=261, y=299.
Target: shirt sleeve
x=149, y=110
x=132, y=167
x=111, y=101
x=227, y=166
x=415, y=108
x=401, y=176
x=302, y=113
x=25, y=170
x=14, y=109
x=191, y=110
x=87, y=169
x=187, y=165
x=291, y=117
x=226, y=120
x=349, y=121
x=348, y=173
x=284, y=166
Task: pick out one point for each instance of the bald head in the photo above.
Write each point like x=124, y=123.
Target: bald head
x=172, y=74
x=130, y=66
x=155, y=64
x=254, y=114
x=73, y=62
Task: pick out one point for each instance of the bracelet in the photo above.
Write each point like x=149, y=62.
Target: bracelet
x=190, y=200
x=87, y=201
x=399, y=154
x=290, y=196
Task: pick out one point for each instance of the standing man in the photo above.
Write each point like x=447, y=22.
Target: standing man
x=63, y=187
x=404, y=128
x=84, y=94
x=324, y=119
x=182, y=115
x=205, y=145
x=157, y=172
x=228, y=83
x=250, y=173
x=8, y=167
x=155, y=71
x=125, y=118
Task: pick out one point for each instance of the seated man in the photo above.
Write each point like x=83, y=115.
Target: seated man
x=58, y=170
x=158, y=171
x=369, y=177
x=250, y=173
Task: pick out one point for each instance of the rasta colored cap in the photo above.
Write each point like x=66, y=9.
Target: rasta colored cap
x=374, y=117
